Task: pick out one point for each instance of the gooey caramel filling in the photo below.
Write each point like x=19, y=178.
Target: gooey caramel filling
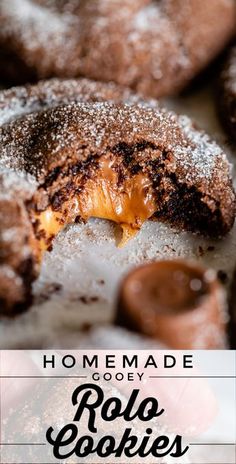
x=129, y=205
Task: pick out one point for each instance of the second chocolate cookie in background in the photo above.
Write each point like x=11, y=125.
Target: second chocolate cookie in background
x=227, y=94
x=156, y=48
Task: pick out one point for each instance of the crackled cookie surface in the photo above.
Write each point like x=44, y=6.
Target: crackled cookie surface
x=155, y=47
x=70, y=150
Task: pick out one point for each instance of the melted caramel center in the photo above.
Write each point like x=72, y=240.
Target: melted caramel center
x=101, y=197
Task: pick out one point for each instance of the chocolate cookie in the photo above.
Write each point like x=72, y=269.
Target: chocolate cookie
x=70, y=150
x=154, y=47
x=227, y=93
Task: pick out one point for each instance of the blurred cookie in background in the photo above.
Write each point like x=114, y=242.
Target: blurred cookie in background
x=227, y=94
x=153, y=47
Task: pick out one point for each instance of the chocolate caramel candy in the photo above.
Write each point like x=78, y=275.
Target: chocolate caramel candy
x=177, y=302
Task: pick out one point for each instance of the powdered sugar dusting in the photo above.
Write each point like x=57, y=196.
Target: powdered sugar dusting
x=147, y=19
x=19, y=102
x=204, y=155
x=40, y=30
x=196, y=156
